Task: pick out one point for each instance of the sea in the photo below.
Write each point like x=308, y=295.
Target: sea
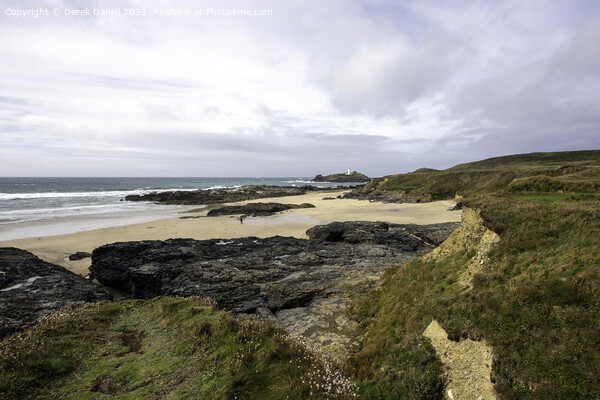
x=32, y=207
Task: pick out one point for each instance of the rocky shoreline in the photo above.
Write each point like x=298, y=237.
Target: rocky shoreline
x=230, y=195
x=384, y=196
x=256, y=209
x=354, y=176
x=302, y=284
x=31, y=288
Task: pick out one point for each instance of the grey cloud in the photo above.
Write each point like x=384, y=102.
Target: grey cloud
x=582, y=58
x=550, y=104
x=240, y=152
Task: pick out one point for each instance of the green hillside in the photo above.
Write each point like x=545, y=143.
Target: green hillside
x=533, y=159
x=536, y=301
x=543, y=174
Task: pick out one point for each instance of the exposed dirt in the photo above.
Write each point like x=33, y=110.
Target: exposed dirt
x=133, y=339
x=105, y=384
x=486, y=243
x=472, y=235
x=468, y=365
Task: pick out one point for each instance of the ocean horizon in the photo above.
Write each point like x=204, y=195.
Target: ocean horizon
x=43, y=206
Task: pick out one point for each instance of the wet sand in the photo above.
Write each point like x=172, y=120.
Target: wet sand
x=197, y=225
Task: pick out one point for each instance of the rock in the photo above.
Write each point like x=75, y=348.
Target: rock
x=256, y=209
x=239, y=274
x=326, y=322
x=385, y=196
x=31, y=288
x=80, y=255
x=349, y=232
x=343, y=177
x=225, y=195
x=247, y=273
x=408, y=237
x=262, y=277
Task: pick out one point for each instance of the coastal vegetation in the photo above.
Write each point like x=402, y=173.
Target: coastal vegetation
x=544, y=174
x=535, y=299
x=162, y=348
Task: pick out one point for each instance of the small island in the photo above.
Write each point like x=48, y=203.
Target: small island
x=343, y=177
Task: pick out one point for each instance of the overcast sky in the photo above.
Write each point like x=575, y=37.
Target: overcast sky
x=317, y=86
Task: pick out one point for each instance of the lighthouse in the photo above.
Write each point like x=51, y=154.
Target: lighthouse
x=348, y=172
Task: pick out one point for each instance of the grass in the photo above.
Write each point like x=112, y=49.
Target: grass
x=544, y=197
x=574, y=172
x=396, y=361
x=162, y=348
x=538, y=159
x=547, y=184
x=441, y=185
x=537, y=300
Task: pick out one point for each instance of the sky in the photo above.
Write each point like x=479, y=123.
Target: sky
x=296, y=88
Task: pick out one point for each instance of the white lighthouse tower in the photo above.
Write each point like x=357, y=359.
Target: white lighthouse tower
x=348, y=172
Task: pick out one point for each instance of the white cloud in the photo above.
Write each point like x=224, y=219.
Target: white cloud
x=384, y=79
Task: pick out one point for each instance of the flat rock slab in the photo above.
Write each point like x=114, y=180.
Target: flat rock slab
x=405, y=237
x=80, y=255
x=326, y=323
x=31, y=288
x=256, y=209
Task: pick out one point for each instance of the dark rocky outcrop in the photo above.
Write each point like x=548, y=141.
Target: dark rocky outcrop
x=256, y=209
x=304, y=285
x=80, y=255
x=384, y=196
x=404, y=237
x=352, y=177
x=226, y=195
x=275, y=273
x=31, y=288
x=240, y=274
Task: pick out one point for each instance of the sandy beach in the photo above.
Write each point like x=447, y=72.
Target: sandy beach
x=197, y=225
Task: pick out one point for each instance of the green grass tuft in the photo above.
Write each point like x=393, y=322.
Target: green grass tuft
x=162, y=348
